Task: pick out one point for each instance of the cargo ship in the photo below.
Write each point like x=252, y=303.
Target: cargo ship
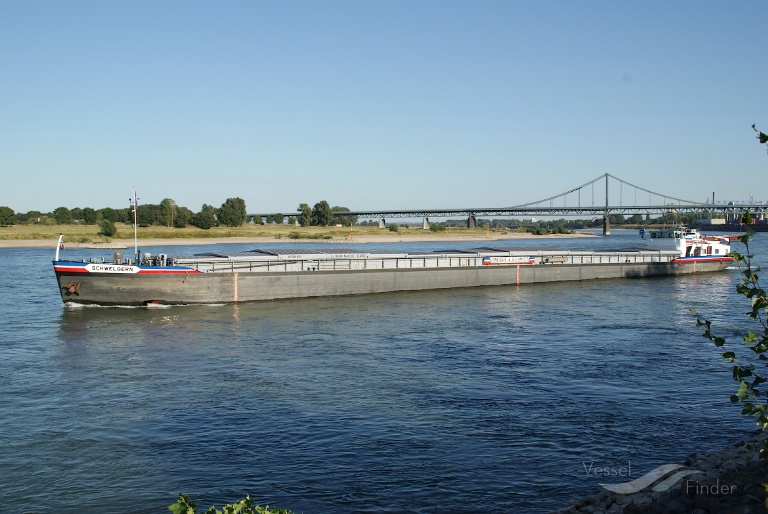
x=270, y=274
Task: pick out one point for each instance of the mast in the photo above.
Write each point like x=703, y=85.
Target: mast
x=135, y=203
x=58, y=247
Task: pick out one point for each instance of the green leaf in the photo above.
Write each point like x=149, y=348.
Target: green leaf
x=183, y=506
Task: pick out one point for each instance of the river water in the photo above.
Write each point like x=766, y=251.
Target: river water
x=492, y=399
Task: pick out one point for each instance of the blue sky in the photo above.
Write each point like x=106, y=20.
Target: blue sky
x=377, y=105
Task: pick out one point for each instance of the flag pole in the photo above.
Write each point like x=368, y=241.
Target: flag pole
x=135, y=228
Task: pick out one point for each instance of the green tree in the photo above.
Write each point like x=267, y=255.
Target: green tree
x=279, y=218
x=108, y=213
x=124, y=215
x=7, y=216
x=270, y=219
x=305, y=215
x=167, y=212
x=89, y=216
x=291, y=220
x=77, y=214
x=62, y=215
x=206, y=218
x=28, y=217
x=322, y=215
x=146, y=215
x=342, y=219
x=232, y=212
x=183, y=217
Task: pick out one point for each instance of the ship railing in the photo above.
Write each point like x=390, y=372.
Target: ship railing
x=427, y=261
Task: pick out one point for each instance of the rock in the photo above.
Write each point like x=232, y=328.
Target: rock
x=748, y=499
x=622, y=499
x=730, y=482
x=677, y=506
x=631, y=508
x=744, y=509
x=707, y=503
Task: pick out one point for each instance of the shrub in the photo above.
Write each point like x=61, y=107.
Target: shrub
x=107, y=228
x=435, y=227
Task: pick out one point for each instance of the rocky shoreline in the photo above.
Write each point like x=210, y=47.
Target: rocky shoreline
x=731, y=481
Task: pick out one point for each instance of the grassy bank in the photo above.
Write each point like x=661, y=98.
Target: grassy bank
x=89, y=233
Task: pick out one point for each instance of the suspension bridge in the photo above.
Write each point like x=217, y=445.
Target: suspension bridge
x=601, y=196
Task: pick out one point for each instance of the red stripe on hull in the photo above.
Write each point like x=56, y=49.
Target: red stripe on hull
x=70, y=269
x=703, y=259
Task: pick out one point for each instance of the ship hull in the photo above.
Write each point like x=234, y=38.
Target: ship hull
x=233, y=287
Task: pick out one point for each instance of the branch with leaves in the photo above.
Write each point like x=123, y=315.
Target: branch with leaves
x=245, y=506
x=763, y=138
x=750, y=366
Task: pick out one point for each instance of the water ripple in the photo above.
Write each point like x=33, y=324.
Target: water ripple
x=490, y=398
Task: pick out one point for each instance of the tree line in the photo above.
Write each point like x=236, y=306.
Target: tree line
x=167, y=213
x=232, y=213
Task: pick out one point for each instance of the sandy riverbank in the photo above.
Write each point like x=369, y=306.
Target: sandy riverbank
x=383, y=238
